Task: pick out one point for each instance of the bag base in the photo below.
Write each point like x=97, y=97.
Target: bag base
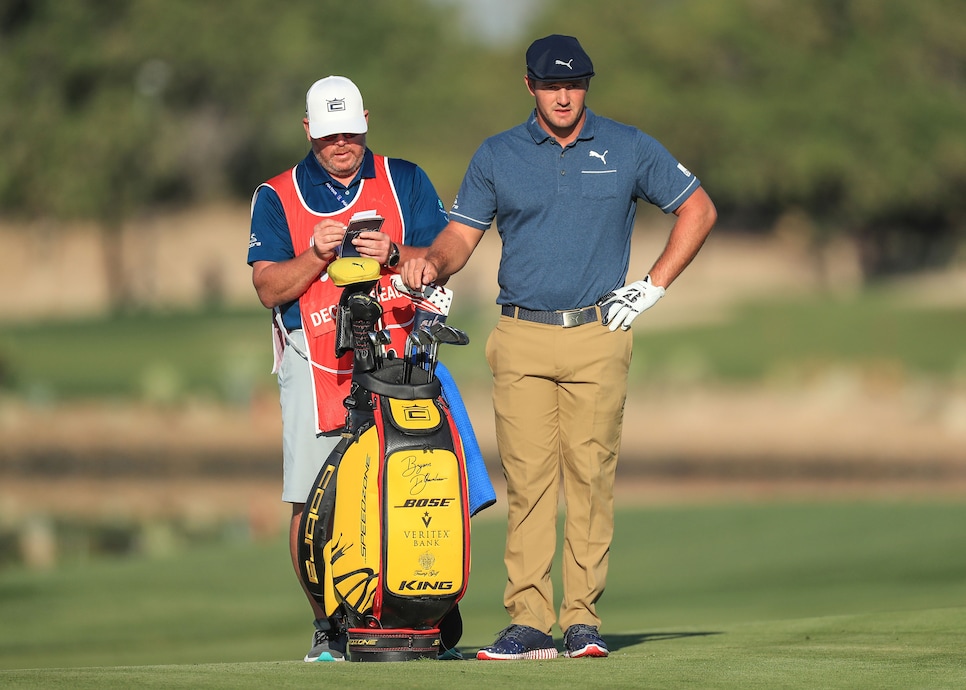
x=392, y=644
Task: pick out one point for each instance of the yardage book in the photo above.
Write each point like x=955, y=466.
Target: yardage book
x=363, y=221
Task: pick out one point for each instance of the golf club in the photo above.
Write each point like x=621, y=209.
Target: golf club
x=425, y=341
x=448, y=335
x=412, y=348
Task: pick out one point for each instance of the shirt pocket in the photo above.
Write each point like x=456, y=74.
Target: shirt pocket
x=599, y=184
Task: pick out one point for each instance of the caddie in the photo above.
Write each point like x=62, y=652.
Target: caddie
x=299, y=219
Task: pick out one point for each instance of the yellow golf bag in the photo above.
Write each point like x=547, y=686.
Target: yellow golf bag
x=385, y=534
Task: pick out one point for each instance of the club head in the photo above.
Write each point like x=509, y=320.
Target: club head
x=412, y=346
x=450, y=335
x=378, y=349
x=423, y=337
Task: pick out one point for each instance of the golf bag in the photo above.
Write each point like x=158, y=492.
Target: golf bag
x=385, y=535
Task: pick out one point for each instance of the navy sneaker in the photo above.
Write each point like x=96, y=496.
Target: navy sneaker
x=329, y=644
x=519, y=642
x=584, y=640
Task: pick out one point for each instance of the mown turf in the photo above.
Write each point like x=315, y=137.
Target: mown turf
x=226, y=355
x=801, y=596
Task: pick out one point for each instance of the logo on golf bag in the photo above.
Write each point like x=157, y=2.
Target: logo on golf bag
x=356, y=526
x=414, y=416
x=311, y=519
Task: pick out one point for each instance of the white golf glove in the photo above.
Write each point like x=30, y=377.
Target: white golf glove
x=622, y=306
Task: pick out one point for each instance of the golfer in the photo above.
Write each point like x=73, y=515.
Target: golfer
x=562, y=189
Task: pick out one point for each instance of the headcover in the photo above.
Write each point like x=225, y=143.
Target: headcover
x=558, y=58
x=346, y=270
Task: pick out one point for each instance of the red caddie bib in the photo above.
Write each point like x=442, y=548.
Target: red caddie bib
x=331, y=376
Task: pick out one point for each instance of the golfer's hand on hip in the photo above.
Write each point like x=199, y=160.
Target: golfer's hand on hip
x=620, y=307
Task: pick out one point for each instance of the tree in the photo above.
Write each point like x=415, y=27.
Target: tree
x=850, y=110
x=124, y=106
x=847, y=111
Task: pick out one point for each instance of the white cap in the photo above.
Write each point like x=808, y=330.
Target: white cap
x=334, y=106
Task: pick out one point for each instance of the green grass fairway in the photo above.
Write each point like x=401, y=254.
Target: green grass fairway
x=226, y=355
x=804, y=595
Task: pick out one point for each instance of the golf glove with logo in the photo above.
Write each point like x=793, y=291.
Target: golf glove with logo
x=622, y=306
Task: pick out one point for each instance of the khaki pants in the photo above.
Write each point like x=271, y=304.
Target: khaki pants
x=558, y=399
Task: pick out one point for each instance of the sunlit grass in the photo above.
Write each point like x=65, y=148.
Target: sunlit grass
x=756, y=595
x=226, y=356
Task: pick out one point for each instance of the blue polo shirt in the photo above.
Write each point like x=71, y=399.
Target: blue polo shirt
x=422, y=211
x=565, y=216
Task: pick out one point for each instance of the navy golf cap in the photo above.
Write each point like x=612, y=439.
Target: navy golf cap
x=558, y=58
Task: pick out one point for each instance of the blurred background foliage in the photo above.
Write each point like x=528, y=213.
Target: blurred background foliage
x=840, y=123
x=849, y=113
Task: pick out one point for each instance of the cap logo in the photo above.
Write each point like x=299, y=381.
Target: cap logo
x=336, y=105
x=567, y=64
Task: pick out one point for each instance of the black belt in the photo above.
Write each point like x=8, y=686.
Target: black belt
x=568, y=318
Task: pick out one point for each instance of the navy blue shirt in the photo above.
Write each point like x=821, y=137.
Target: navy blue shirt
x=423, y=214
x=565, y=216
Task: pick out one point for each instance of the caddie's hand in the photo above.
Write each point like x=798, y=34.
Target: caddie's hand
x=374, y=244
x=326, y=237
x=623, y=305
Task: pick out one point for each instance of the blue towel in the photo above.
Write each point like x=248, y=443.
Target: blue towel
x=480, y=487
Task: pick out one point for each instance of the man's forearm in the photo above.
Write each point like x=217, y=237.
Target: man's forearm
x=452, y=249
x=281, y=282
x=695, y=220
